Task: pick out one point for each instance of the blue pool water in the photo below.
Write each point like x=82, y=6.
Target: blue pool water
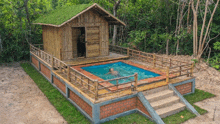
x=123, y=70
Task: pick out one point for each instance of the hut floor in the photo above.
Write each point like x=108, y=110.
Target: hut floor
x=81, y=61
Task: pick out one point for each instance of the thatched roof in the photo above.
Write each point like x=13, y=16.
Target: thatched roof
x=63, y=15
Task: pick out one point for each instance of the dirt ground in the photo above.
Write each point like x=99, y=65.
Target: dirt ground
x=21, y=101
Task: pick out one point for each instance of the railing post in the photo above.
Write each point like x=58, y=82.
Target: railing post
x=52, y=63
x=88, y=84
x=180, y=69
x=135, y=81
x=96, y=90
x=128, y=52
x=192, y=67
x=168, y=74
x=154, y=60
x=68, y=73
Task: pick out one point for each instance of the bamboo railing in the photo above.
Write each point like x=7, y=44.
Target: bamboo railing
x=174, y=68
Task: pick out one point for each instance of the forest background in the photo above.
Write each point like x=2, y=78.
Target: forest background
x=155, y=26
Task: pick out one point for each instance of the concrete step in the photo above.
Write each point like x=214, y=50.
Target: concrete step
x=170, y=110
x=159, y=89
x=159, y=95
x=165, y=102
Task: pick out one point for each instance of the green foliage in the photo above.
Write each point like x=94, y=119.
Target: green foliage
x=215, y=60
x=195, y=60
x=61, y=14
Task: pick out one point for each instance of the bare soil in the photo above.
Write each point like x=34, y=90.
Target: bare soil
x=21, y=101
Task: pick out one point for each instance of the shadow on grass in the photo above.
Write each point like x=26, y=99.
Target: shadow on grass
x=73, y=116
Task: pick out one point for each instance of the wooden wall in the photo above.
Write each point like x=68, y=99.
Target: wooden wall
x=52, y=40
x=92, y=20
x=61, y=39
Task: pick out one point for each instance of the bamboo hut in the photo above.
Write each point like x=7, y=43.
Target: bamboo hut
x=77, y=31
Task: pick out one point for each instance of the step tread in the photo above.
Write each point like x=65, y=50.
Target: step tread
x=164, y=92
x=170, y=108
x=164, y=101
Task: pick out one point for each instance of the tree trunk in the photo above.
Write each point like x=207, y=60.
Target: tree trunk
x=115, y=8
x=167, y=47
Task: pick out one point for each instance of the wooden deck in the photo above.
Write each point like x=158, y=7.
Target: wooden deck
x=81, y=61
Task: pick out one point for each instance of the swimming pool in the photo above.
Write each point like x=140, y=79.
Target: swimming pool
x=123, y=70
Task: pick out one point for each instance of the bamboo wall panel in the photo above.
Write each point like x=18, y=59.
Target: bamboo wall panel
x=75, y=34
x=67, y=43
x=51, y=38
x=93, y=41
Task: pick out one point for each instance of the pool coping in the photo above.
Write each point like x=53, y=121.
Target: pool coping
x=108, y=84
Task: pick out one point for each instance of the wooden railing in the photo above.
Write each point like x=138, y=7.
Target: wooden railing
x=174, y=68
x=132, y=85
x=41, y=54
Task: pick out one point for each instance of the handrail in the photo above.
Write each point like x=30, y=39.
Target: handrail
x=120, y=78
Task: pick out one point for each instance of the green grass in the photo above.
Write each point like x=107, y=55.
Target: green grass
x=73, y=116
x=61, y=14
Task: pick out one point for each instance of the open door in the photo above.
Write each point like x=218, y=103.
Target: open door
x=92, y=41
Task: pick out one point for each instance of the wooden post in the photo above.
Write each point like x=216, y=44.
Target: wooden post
x=136, y=80
x=168, y=74
x=96, y=90
x=162, y=61
x=52, y=63
x=128, y=52
x=68, y=73
x=154, y=60
x=88, y=84
x=60, y=68
x=180, y=69
x=192, y=67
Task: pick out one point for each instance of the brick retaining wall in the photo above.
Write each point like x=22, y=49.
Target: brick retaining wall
x=45, y=71
x=59, y=84
x=122, y=106
x=81, y=103
x=184, y=88
x=35, y=62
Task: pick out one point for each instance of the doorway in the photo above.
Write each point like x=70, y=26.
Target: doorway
x=81, y=43
x=79, y=46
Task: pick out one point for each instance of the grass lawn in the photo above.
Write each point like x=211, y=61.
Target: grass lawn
x=72, y=115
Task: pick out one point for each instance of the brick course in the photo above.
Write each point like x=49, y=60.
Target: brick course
x=122, y=106
x=34, y=61
x=184, y=88
x=81, y=103
x=59, y=84
x=45, y=71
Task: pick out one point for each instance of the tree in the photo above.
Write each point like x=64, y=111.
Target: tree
x=115, y=8
x=198, y=45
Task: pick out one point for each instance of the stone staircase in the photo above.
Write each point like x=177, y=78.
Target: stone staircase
x=164, y=102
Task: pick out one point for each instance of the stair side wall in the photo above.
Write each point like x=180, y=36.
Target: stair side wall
x=185, y=87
